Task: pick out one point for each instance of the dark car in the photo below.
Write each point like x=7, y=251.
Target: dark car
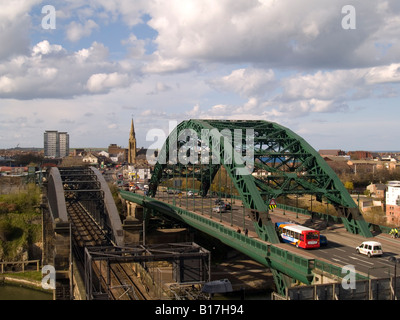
x=323, y=241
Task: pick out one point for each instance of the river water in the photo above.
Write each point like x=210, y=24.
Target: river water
x=16, y=292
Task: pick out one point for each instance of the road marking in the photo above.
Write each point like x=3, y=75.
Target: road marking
x=340, y=249
x=338, y=260
x=354, y=258
x=385, y=263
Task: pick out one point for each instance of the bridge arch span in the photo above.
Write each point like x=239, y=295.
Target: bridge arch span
x=287, y=163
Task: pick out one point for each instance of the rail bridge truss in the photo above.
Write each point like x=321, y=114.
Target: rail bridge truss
x=81, y=219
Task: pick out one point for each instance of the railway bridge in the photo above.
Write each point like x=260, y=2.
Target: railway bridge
x=86, y=241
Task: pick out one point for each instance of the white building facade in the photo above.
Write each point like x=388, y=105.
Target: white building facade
x=56, y=144
x=393, y=193
x=393, y=202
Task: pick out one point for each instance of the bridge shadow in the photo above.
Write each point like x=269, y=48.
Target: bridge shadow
x=244, y=274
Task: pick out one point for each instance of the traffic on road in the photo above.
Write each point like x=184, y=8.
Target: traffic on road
x=334, y=245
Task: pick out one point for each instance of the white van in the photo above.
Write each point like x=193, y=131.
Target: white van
x=370, y=248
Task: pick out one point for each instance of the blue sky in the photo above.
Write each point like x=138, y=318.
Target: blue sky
x=157, y=61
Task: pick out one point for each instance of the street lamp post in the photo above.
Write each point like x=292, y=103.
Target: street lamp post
x=394, y=261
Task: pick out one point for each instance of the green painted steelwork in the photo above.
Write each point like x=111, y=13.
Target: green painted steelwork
x=283, y=264
x=289, y=165
x=334, y=270
x=271, y=256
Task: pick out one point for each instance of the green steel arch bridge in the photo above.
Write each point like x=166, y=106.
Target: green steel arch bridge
x=286, y=165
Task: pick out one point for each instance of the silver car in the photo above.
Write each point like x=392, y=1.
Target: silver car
x=219, y=209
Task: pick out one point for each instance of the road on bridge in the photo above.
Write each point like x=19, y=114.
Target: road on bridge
x=341, y=248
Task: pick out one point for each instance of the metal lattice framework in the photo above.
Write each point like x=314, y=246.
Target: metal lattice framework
x=283, y=163
x=87, y=186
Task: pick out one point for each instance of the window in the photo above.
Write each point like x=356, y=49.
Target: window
x=312, y=236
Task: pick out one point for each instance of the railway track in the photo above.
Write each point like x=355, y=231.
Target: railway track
x=116, y=281
x=87, y=233
x=85, y=230
x=130, y=290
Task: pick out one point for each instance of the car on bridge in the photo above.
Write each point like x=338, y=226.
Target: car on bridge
x=227, y=206
x=370, y=248
x=221, y=203
x=219, y=209
x=323, y=240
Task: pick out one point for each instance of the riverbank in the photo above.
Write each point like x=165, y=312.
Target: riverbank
x=16, y=292
x=27, y=280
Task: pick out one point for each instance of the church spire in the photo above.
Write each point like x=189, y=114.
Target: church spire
x=132, y=133
x=132, y=145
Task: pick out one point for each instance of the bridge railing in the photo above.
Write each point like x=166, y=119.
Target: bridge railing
x=334, y=270
x=263, y=252
x=268, y=254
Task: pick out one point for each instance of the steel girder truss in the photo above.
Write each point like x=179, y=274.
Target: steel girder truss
x=98, y=283
x=284, y=164
x=81, y=185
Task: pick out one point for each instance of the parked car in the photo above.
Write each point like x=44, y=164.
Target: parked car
x=370, y=248
x=219, y=209
x=190, y=193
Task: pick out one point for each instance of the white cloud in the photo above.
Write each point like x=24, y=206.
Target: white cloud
x=76, y=31
x=45, y=48
x=159, y=64
x=384, y=74
x=101, y=82
x=248, y=82
x=14, y=27
x=277, y=33
x=136, y=47
x=50, y=71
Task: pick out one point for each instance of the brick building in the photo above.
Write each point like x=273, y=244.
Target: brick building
x=393, y=202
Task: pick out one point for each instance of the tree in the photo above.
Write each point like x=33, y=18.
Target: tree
x=349, y=185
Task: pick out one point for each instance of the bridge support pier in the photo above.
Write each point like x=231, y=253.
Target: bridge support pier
x=133, y=229
x=57, y=251
x=62, y=260
x=133, y=224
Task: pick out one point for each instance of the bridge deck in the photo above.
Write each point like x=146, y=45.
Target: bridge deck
x=340, y=250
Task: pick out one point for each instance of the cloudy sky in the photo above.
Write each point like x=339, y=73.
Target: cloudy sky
x=328, y=72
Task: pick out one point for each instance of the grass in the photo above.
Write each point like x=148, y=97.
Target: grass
x=21, y=202
x=27, y=275
x=20, y=223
